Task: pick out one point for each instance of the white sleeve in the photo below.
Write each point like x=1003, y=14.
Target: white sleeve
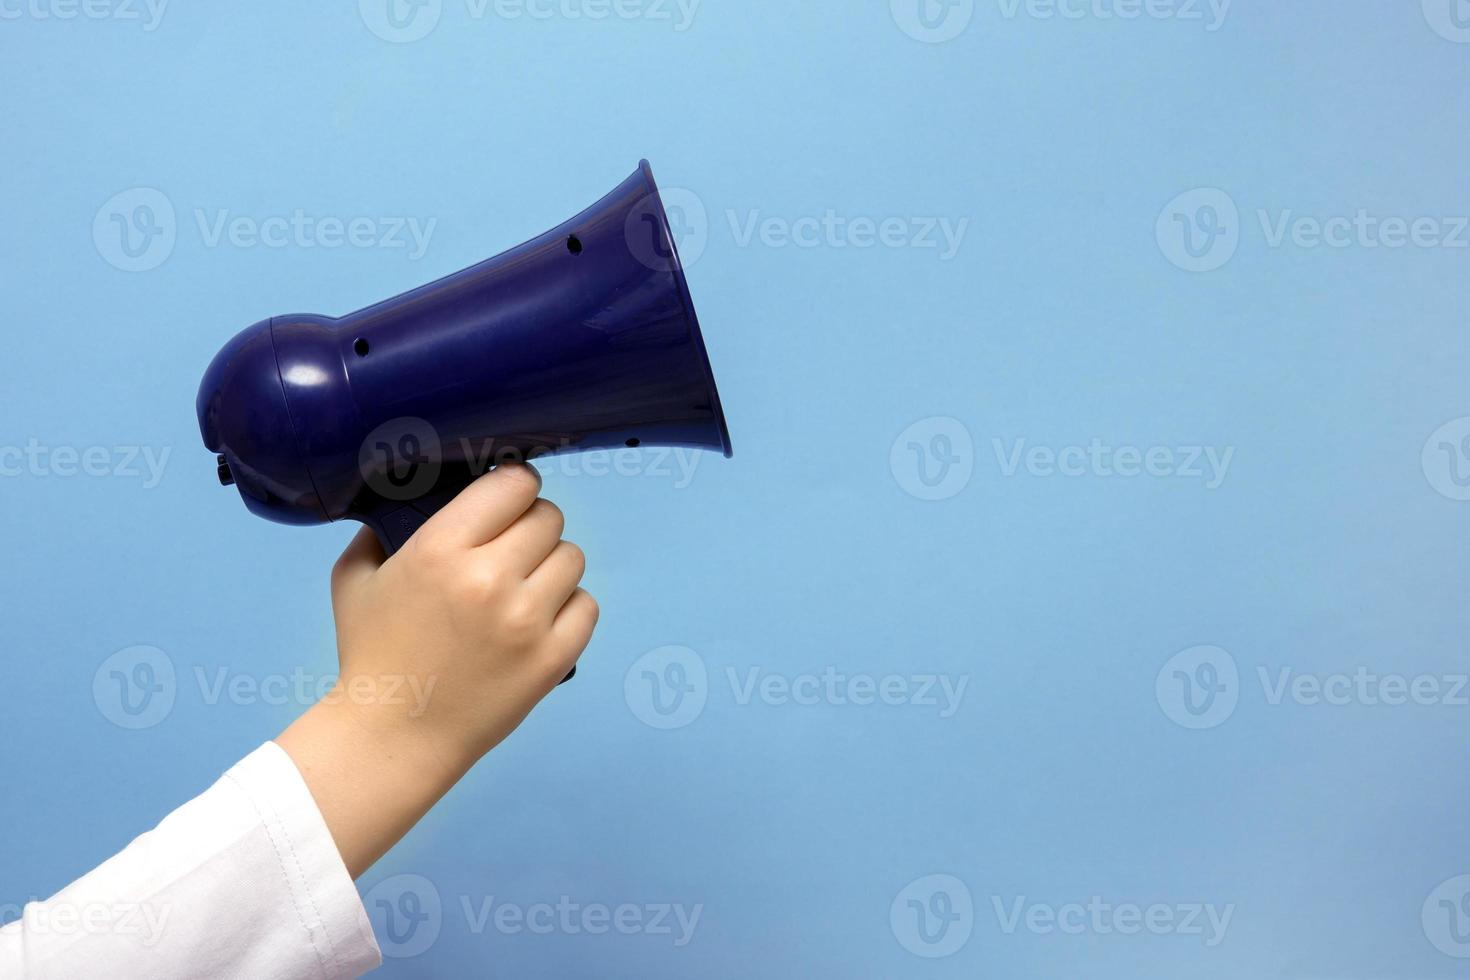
x=243, y=881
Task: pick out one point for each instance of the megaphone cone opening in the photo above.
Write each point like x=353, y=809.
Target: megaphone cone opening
x=676, y=268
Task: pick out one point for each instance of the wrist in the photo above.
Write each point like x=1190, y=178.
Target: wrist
x=397, y=735
x=372, y=771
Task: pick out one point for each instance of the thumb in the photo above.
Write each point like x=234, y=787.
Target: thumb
x=363, y=557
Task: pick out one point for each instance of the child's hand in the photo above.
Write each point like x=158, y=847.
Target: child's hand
x=444, y=650
x=481, y=609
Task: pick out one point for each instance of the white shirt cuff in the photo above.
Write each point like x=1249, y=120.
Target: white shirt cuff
x=323, y=895
x=241, y=881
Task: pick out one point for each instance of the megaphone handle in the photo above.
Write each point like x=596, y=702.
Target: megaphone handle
x=395, y=524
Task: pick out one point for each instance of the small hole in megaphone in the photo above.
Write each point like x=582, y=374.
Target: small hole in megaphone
x=574, y=245
x=361, y=346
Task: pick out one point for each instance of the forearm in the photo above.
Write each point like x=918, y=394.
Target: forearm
x=373, y=775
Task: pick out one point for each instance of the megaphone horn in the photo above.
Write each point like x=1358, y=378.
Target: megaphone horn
x=583, y=338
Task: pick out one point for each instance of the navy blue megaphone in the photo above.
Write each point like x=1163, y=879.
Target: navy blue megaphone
x=583, y=338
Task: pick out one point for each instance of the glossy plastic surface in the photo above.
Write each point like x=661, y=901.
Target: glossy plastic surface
x=582, y=338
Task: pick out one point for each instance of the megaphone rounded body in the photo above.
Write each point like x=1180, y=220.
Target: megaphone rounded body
x=583, y=338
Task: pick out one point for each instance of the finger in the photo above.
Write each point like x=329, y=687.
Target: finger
x=574, y=624
x=556, y=579
x=363, y=557
x=486, y=507
x=525, y=544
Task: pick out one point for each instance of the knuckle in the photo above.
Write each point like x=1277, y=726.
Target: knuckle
x=519, y=620
x=476, y=584
x=521, y=479
x=550, y=512
x=576, y=556
x=432, y=549
x=492, y=582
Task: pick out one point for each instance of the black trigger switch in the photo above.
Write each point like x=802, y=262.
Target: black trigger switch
x=401, y=525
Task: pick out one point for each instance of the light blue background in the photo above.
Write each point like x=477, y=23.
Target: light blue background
x=1061, y=319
